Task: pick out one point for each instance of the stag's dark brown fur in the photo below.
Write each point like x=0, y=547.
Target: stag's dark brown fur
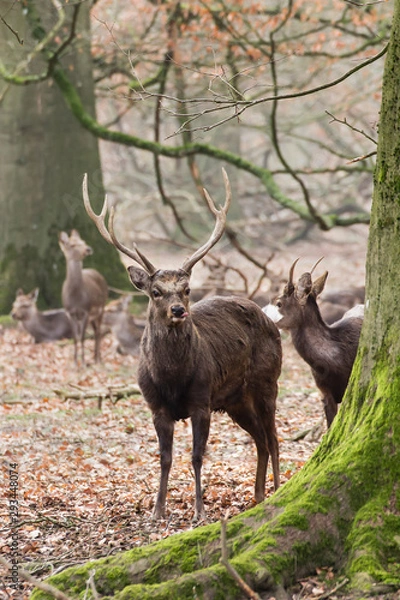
x=220, y=354
x=330, y=350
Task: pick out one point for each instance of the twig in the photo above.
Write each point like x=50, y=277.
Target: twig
x=360, y=158
x=20, y=40
x=114, y=394
x=355, y=129
x=335, y=589
x=92, y=585
x=45, y=587
x=231, y=570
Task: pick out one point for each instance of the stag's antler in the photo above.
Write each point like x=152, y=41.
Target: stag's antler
x=109, y=236
x=218, y=228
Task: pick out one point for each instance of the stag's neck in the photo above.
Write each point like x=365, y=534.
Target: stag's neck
x=171, y=352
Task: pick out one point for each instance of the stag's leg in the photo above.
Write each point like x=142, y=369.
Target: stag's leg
x=248, y=422
x=273, y=444
x=164, y=426
x=261, y=426
x=200, y=432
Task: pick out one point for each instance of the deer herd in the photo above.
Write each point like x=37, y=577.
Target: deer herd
x=222, y=353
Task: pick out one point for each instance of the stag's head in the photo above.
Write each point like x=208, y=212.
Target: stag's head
x=293, y=302
x=168, y=290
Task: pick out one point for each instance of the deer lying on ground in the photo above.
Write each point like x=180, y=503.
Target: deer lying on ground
x=221, y=354
x=44, y=326
x=330, y=350
x=123, y=326
x=84, y=293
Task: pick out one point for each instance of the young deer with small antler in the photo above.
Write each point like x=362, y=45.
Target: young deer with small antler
x=84, y=292
x=221, y=354
x=330, y=350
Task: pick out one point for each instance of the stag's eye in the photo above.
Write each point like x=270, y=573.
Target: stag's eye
x=187, y=291
x=279, y=304
x=156, y=294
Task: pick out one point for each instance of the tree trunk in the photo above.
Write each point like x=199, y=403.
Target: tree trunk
x=342, y=510
x=44, y=154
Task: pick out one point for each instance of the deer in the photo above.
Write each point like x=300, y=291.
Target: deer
x=329, y=350
x=84, y=293
x=44, y=326
x=219, y=354
x=125, y=329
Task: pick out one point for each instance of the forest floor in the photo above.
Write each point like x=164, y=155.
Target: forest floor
x=87, y=475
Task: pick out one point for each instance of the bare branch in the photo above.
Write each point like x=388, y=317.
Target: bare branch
x=20, y=40
x=345, y=122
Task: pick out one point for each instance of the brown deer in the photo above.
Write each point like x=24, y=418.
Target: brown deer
x=123, y=326
x=84, y=293
x=330, y=350
x=221, y=354
x=44, y=326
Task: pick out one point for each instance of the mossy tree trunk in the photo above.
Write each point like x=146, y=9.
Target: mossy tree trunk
x=44, y=153
x=343, y=509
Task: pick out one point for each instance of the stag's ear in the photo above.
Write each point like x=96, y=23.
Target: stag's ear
x=139, y=278
x=319, y=284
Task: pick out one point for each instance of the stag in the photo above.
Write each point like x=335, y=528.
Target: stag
x=44, y=326
x=84, y=293
x=329, y=350
x=221, y=354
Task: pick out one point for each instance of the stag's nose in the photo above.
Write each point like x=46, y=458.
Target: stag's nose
x=178, y=311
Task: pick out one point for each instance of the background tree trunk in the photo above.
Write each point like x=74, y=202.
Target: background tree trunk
x=44, y=153
x=342, y=509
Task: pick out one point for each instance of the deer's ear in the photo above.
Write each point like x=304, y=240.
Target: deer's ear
x=319, y=284
x=139, y=278
x=63, y=237
x=34, y=294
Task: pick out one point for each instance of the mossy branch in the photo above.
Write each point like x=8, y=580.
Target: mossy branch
x=88, y=122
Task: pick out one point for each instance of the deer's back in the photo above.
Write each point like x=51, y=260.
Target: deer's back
x=49, y=325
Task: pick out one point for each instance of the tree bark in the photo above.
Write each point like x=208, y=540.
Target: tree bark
x=44, y=153
x=342, y=510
